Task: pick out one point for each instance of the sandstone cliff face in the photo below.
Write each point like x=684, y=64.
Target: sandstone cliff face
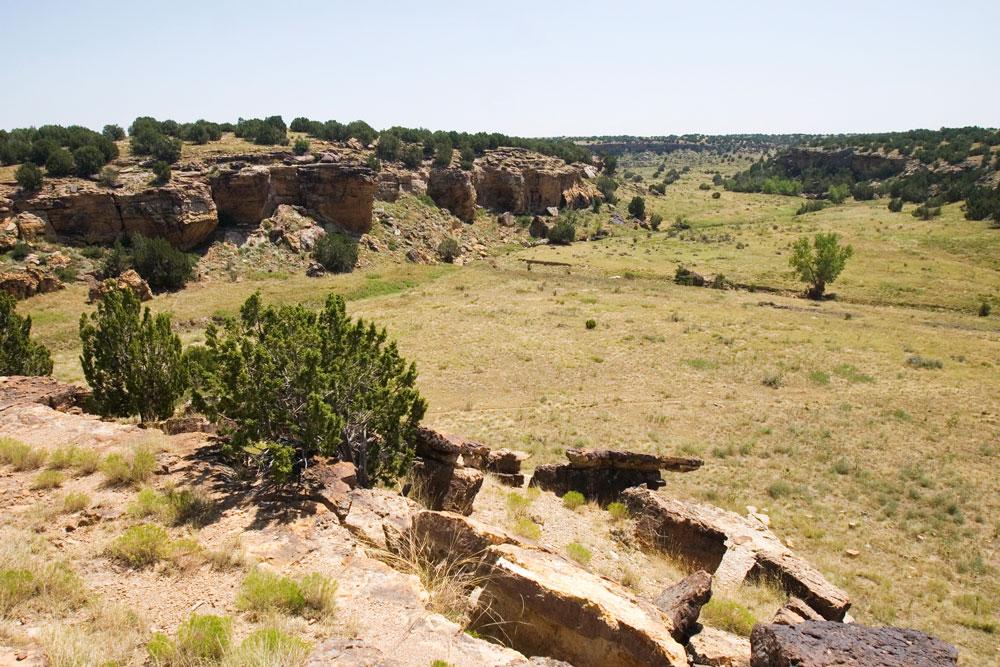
x=863, y=166
x=340, y=194
x=453, y=189
x=182, y=212
x=521, y=181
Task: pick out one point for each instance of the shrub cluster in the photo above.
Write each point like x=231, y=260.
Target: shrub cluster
x=267, y=132
x=338, y=253
x=19, y=355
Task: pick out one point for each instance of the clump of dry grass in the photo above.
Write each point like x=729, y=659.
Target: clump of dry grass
x=263, y=592
x=75, y=502
x=47, y=479
x=173, y=506
x=129, y=468
x=30, y=578
x=147, y=544
x=21, y=456
x=108, y=636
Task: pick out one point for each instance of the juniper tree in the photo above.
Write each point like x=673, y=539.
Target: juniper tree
x=290, y=383
x=132, y=359
x=19, y=355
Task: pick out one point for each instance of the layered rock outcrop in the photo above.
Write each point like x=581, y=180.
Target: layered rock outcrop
x=29, y=282
x=453, y=189
x=521, y=181
x=129, y=280
x=82, y=213
x=338, y=194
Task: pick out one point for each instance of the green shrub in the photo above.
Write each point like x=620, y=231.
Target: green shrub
x=525, y=527
x=811, y=206
x=87, y=462
x=204, y=637
x=60, y=163
x=863, y=191
x=108, y=177
x=579, y=553
x=772, y=380
x=161, y=172
x=654, y=221
x=412, y=156
x=618, y=511
x=47, y=479
x=160, y=264
x=263, y=591
x=637, y=208
x=113, y=132
x=21, y=456
x=926, y=212
x=573, y=500
x=20, y=251
x=75, y=501
x=132, y=468
x=607, y=187
x=353, y=395
x=591, y=324
x=301, y=146
x=19, y=354
x=140, y=546
x=443, y=150
x=984, y=309
x=29, y=177
x=132, y=361
x=916, y=361
x=449, y=250
x=337, y=253
x=819, y=263
x=173, y=506
x=116, y=262
x=896, y=204
x=267, y=647
x=838, y=193
x=728, y=615
x=88, y=160
x=563, y=232
x=704, y=186
x=388, y=146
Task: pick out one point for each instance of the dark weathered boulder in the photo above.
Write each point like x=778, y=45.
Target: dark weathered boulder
x=832, y=644
x=683, y=601
x=431, y=444
x=453, y=189
x=22, y=390
x=539, y=228
x=604, y=485
x=623, y=460
x=440, y=486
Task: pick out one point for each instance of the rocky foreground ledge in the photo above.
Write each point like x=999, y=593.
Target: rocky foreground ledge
x=522, y=603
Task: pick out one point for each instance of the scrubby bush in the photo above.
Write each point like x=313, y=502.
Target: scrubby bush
x=591, y=324
x=704, y=186
x=88, y=160
x=337, y=253
x=412, y=156
x=443, y=150
x=716, y=195
x=116, y=262
x=449, y=250
x=263, y=592
x=19, y=355
x=388, y=146
x=820, y=262
x=811, y=206
x=113, y=132
x=301, y=146
x=607, y=187
x=29, y=177
x=140, y=546
x=838, y=193
x=610, y=164
x=108, y=177
x=637, y=208
x=863, y=191
x=60, y=163
x=563, y=232
x=618, y=511
x=291, y=383
x=201, y=640
x=896, y=204
x=654, y=221
x=573, y=499
x=131, y=359
x=161, y=173
x=984, y=309
x=160, y=264
x=130, y=468
x=926, y=211
x=166, y=149
x=20, y=251
x=579, y=553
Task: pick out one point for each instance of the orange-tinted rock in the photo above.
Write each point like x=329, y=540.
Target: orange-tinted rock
x=182, y=212
x=452, y=188
x=29, y=282
x=129, y=280
x=80, y=215
x=522, y=181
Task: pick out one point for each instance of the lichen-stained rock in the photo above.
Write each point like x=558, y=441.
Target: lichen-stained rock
x=30, y=227
x=447, y=535
x=288, y=227
x=441, y=486
x=341, y=194
x=522, y=181
x=375, y=516
x=8, y=234
x=452, y=188
x=731, y=547
x=795, y=611
x=129, y=280
x=76, y=214
x=683, y=601
x=544, y=605
x=832, y=644
x=717, y=648
x=431, y=444
x=182, y=212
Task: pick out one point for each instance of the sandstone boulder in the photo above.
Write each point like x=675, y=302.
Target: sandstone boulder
x=431, y=444
x=76, y=215
x=831, y=644
x=717, y=648
x=129, y=280
x=453, y=189
x=243, y=196
x=30, y=227
x=539, y=228
x=506, y=219
x=440, y=486
x=330, y=482
x=602, y=475
x=795, y=611
x=288, y=227
x=340, y=194
x=683, y=601
x=375, y=516
x=8, y=234
x=29, y=282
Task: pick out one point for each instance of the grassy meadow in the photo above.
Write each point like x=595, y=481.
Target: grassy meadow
x=833, y=417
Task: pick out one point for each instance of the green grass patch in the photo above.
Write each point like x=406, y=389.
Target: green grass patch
x=579, y=553
x=263, y=592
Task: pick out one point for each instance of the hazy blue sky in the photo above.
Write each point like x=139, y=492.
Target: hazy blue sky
x=528, y=68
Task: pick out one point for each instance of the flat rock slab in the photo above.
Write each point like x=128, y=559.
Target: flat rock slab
x=38, y=425
x=604, y=485
x=21, y=390
x=831, y=644
x=732, y=547
x=624, y=460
